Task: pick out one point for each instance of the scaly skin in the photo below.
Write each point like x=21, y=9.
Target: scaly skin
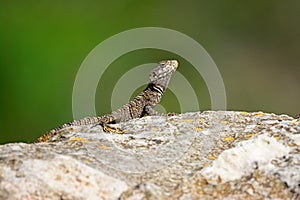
x=141, y=105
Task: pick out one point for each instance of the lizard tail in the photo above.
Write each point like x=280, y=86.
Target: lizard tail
x=46, y=136
x=84, y=121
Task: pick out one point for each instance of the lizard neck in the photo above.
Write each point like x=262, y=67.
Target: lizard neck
x=152, y=94
x=155, y=88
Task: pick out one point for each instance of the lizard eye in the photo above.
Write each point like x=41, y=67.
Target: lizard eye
x=163, y=62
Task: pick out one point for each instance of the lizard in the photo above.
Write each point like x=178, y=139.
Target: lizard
x=138, y=107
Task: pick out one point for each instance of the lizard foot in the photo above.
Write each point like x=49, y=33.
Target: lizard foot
x=112, y=129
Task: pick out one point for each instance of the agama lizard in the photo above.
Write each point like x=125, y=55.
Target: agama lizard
x=140, y=106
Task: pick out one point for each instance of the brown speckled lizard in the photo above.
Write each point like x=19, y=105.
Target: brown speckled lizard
x=141, y=105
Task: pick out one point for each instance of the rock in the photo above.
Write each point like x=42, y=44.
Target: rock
x=209, y=155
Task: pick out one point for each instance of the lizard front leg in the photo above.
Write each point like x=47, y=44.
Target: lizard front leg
x=107, y=122
x=112, y=129
x=150, y=111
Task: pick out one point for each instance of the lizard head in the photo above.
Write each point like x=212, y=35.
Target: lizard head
x=161, y=75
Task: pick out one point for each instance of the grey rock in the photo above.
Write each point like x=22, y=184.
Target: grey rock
x=209, y=155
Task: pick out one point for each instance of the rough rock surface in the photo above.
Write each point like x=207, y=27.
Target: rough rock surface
x=209, y=155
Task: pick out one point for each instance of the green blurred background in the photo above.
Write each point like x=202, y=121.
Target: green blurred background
x=255, y=44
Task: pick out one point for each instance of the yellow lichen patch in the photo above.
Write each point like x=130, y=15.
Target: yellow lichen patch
x=49, y=142
x=249, y=135
x=258, y=114
x=201, y=120
x=103, y=147
x=228, y=138
x=243, y=113
x=294, y=122
x=206, y=164
x=224, y=122
x=178, y=133
x=187, y=120
x=211, y=157
x=277, y=138
x=77, y=139
x=198, y=129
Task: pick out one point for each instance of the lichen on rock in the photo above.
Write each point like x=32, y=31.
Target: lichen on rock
x=209, y=155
